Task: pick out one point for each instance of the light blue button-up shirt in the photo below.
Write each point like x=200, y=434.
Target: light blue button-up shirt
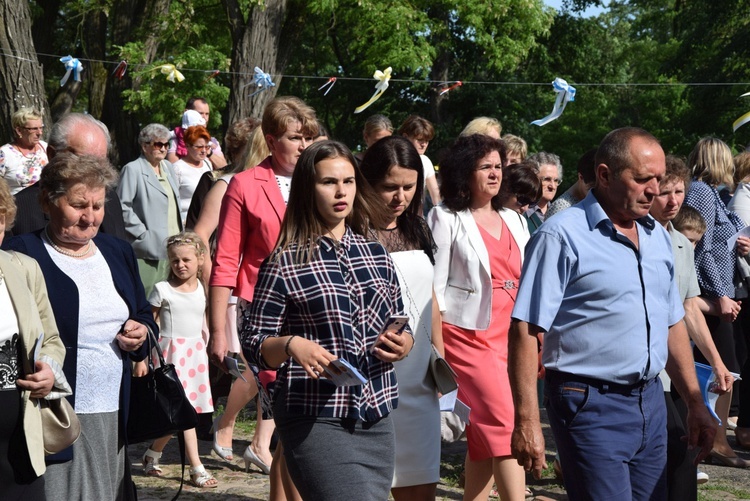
x=606, y=306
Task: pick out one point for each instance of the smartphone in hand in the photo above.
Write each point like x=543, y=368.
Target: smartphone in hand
x=396, y=323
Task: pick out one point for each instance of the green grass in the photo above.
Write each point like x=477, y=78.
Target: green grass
x=717, y=491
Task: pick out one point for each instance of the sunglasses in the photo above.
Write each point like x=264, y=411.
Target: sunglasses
x=522, y=200
x=159, y=144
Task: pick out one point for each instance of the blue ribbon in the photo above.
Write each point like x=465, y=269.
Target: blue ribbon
x=71, y=65
x=565, y=93
x=262, y=81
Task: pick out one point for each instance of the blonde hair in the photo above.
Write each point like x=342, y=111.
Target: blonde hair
x=7, y=204
x=689, y=219
x=284, y=110
x=741, y=166
x=482, y=125
x=190, y=239
x=711, y=162
x=23, y=115
x=515, y=144
x=255, y=152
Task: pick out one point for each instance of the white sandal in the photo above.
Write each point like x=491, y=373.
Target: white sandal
x=150, y=462
x=199, y=477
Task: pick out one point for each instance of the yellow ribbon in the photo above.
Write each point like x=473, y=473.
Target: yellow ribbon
x=171, y=72
x=743, y=119
x=382, y=77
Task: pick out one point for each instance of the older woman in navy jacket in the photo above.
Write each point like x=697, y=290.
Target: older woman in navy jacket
x=102, y=315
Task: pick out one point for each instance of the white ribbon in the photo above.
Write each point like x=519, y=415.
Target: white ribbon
x=382, y=77
x=564, y=93
x=71, y=65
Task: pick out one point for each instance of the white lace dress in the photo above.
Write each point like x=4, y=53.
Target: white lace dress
x=417, y=418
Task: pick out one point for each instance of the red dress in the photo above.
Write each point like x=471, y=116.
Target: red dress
x=480, y=358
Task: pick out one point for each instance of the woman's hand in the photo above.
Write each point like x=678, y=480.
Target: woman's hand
x=311, y=356
x=400, y=345
x=728, y=308
x=140, y=369
x=132, y=336
x=40, y=383
x=743, y=246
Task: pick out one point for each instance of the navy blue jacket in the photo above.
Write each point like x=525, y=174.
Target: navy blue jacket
x=63, y=295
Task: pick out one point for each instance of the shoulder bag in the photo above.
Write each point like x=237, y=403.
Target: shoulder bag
x=158, y=404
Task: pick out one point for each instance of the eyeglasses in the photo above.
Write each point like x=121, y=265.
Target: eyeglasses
x=204, y=147
x=34, y=129
x=522, y=200
x=555, y=180
x=159, y=144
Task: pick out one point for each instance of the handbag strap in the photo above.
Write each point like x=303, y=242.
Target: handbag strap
x=412, y=303
x=153, y=344
x=181, y=440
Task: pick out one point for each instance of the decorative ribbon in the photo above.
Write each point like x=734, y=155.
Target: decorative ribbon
x=120, y=70
x=71, y=65
x=564, y=93
x=449, y=86
x=743, y=119
x=171, y=71
x=212, y=75
x=382, y=77
x=262, y=81
x=330, y=83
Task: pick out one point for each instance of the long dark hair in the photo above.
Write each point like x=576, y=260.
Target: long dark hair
x=302, y=223
x=378, y=160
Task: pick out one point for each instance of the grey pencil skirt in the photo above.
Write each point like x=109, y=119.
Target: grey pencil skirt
x=330, y=459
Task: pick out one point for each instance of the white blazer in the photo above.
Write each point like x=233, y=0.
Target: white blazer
x=463, y=281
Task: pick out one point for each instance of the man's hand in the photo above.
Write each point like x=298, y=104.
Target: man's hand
x=527, y=446
x=701, y=429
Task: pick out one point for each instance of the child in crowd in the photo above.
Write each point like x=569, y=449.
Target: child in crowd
x=515, y=149
x=178, y=305
x=690, y=223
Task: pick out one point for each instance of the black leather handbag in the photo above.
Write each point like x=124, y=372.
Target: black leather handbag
x=158, y=404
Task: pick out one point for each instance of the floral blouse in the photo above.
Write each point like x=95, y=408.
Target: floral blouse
x=20, y=170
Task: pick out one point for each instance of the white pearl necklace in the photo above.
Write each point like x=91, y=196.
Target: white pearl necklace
x=64, y=252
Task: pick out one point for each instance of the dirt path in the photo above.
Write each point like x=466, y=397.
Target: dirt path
x=236, y=485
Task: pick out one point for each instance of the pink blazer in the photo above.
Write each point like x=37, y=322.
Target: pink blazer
x=249, y=225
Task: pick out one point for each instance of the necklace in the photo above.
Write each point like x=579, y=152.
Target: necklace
x=64, y=252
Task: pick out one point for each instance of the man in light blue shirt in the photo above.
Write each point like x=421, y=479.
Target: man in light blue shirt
x=598, y=285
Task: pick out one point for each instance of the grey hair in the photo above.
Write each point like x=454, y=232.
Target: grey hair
x=153, y=132
x=62, y=129
x=544, y=158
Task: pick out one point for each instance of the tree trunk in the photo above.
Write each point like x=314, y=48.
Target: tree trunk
x=265, y=40
x=42, y=30
x=21, y=75
x=94, y=49
x=129, y=17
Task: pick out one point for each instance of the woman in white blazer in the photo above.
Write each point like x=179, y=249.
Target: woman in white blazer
x=477, y=268
x=149, y=194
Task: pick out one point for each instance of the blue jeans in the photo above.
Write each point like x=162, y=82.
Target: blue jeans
x=612, y=439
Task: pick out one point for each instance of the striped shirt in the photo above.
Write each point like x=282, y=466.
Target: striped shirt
x=342, y=300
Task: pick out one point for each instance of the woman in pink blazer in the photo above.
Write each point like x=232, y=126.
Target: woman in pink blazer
x=249, y=224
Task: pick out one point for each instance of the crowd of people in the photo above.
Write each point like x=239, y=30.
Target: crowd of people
x=337, y=280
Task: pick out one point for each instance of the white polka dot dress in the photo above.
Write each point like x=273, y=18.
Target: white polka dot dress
x=181, y=319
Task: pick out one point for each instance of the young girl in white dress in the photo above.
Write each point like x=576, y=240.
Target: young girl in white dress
x=178, y=305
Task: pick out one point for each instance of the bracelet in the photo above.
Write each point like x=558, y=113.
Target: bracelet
x=288, y=342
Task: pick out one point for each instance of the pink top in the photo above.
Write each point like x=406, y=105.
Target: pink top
x=249, y=225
